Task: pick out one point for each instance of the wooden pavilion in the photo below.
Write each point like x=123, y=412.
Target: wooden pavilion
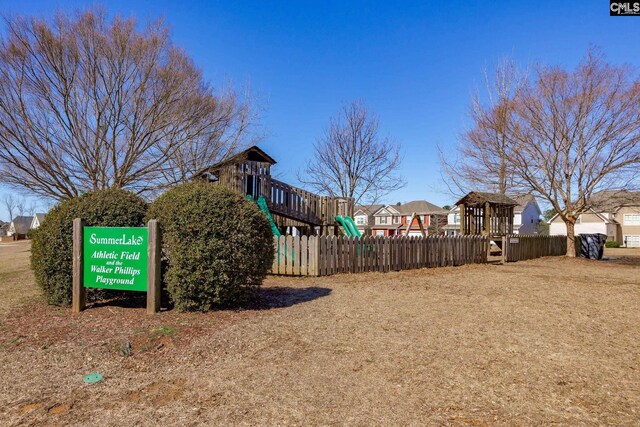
x=487, y=214
x=249, y=173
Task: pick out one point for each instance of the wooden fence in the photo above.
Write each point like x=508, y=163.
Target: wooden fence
x=518, y=247
x=326, y=255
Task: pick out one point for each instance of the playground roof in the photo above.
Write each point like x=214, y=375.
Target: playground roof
x=254, y=153
x=479, y=198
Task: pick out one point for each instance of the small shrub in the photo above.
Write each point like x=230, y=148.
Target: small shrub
x=52, y=247
x=611, y=244
x=217, y=245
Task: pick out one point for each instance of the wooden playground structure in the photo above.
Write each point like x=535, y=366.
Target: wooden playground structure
x=486, y=214
x=249, y=173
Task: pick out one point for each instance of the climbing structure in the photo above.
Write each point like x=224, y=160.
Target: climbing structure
x=487, y=214
x=249, y=173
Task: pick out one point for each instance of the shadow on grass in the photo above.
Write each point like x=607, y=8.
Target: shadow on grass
x=267, y=298
x=284, y=296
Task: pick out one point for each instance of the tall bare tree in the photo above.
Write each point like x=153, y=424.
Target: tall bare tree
x=31, y=207
x=10, y=204
x=576, y=133
x=234, y=125
x=479, y=161
x=87, y=103
x=21, y=206
x=352, y=159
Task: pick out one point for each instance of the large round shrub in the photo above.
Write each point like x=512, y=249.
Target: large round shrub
x=52, y=247
x=218, y=246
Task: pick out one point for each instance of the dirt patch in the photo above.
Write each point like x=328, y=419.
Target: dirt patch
x=547, y=341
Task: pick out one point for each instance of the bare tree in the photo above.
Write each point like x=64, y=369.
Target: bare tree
x=353, y=159
x=87, y=103
x=574, y=134
x=234, y=126
x=21, y=206
x=479, y=161
x=10, y=204
x=31, y=208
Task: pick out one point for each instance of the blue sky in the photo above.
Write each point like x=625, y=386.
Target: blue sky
x=414, y=63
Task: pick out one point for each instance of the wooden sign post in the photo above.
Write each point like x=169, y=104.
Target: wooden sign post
x=78, y=291
x=119, y=258
x=154, y=249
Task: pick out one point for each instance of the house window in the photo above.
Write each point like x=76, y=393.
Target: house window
x=359, y=220
x=379, y=232
x=396, y=220
x=383, y=220
x=456, y=218
x=631, y=219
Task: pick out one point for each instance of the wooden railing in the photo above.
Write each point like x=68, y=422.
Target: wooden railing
x=326, y=255
x=518, y=247
x=292, y=202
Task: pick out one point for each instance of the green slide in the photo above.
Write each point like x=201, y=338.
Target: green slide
x=348, y=226
x=262, y=204
x=343, y=224
x=352, y=226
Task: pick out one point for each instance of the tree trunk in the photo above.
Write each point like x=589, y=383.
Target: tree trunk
x=571, y=238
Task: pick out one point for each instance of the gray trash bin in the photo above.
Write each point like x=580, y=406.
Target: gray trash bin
x=591, y=246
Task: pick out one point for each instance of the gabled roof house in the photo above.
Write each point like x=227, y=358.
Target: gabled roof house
x=614, y=213
x=20, y=226
x=392, y=220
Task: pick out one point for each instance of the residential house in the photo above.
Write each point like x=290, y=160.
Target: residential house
x=4, y=227
x=363, y=217
x=37, y=220
x=19, y=227
x=393, y=220
x=433, y=218
x=526, y=216
x=386, y=221
x=616, y=214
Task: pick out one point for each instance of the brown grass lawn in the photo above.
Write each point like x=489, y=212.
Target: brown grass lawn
x=549, y=341
x=16, y=279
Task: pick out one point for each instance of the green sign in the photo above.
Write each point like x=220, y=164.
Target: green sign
x=115, y=258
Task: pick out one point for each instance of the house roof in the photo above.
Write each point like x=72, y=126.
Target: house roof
x=478, y=198
x=254, y=153
x=523, y=200
x=611, y=201
x=39, y=217
x=392, y=209
x=420, y=207
x=367, y=209
x=21, y=224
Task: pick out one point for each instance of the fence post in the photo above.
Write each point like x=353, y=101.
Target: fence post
x=78, y=292
x=154, y=253
x=505, y=241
